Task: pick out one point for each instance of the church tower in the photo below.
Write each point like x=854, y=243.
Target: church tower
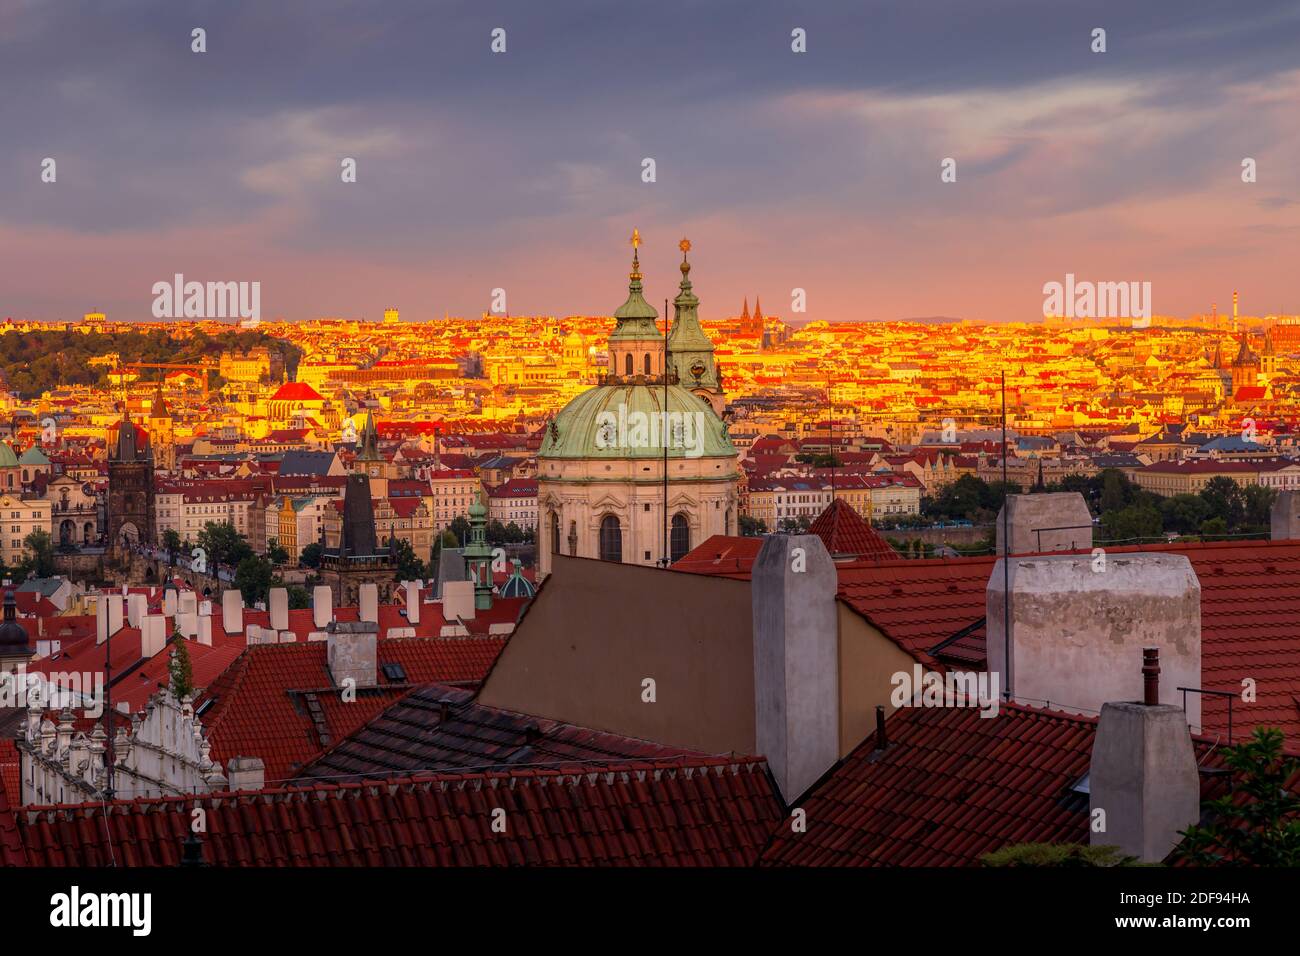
x=161, y=436
x=1245, y=367
x=1268, y=361
x=130, y=488
x=369, y=461
x=690, y=350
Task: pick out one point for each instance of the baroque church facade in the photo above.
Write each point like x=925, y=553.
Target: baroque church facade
x=601, y=465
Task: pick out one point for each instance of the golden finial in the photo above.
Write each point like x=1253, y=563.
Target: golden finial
x=636, y=238
x=685, y=246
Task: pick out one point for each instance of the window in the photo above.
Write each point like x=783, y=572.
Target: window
x=647, y=363
x=611, y=538
x=680, y=539
x=627, y=365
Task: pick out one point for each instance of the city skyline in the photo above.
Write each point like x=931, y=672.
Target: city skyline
x=818, y=171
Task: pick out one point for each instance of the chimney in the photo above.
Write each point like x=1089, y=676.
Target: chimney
x=279, y=609
x=353, y=652
x=882, y=738
x=114, y=613
x=137, y=606
x=1143, y=773
x=246, y=773
x=1284, y=519
x=153, y=635
x=369, y=602
x=796, y=660
x=322, y=606
x=232, y=611
x=457, y=600
x=169, y=602
x=1078, y=623
x=411, y=590
x=1052, y=521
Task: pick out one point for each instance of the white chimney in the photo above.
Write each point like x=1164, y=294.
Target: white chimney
x=232, y=611
x=412, y=592
x=1284, y=519
x=796, y=660
x=369, y=602
x=114, y=613
x=1077, y=621
x=169, y=603
x=353, y=652
x=1143, y=783
x=137, y=606
x=153, y=635
x=322, y=605
x=204, y=634
x=457, y=600
x=246, y=773
x=279, y=609
x=1049, y=521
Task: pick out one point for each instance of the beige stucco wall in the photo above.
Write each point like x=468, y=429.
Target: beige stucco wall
x=868, y=660
x=597, y=629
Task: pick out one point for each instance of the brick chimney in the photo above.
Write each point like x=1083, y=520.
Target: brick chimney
x=796, y=660
x=1143, y=772
x=1078, y=623
x=1053, y=521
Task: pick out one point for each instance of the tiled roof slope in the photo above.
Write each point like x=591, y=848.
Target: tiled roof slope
x=439, y=728
x=844, y=532
x=950, y=787
x=279, y=702
x=1250, y=607
x=683, y=812
x=11, y=844
x=730, y=556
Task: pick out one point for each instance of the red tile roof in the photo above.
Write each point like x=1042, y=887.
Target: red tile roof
x=950, y=787
x=681, y=812
x=723, y=555
x=279, y=702
x=845, y=533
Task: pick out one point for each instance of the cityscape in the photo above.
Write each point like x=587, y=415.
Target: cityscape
x=691, y=563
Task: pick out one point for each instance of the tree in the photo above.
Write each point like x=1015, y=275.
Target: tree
x=1263, y=829
x=311, y=555
x=180, y=679
x=299, y=599
x=409, y=567
x=1214, y=529
x=1134, y=523
x=171, y=541
x=253, y=576
x=1116, y=490
x=1257, y=505
x=496, y=532
x=513, y=533
x=276, y=554
x=1226, y=501
x=460, y=528
x=1058, y=854
x=751, y=527
x=39, y=559
x=1184, y=513
x=223, y=545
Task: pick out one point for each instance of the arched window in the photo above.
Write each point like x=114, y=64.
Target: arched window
x=726, y=524
x=647, y=363
x=611, y=539
x=627, y=363
x=555, y=533
x=573, y=539
x=680, y=540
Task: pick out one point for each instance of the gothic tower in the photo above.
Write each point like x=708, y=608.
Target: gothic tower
x=130, y=488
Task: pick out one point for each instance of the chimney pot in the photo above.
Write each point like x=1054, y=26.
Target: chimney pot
x=1150, y=676
x=882, y=739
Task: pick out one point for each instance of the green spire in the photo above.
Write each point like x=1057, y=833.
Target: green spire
x=478, y=555
x=690, y=350
x=636, y=317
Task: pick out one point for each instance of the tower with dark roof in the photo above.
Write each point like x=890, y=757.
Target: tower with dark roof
x=130, y=488
x=15, y=646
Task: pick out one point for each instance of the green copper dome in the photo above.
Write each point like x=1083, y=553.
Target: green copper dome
x=7, y=457
x=624, y=421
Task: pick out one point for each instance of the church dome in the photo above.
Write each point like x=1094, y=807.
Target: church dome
x=603, y=421
x=13, y=636
x=7, y=457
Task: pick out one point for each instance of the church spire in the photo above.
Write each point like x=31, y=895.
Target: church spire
x=744, y=313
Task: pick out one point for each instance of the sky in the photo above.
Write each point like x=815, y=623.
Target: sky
x=523, y=170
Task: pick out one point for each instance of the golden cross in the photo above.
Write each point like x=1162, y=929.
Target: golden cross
x=684, y=245
x=636, y=238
